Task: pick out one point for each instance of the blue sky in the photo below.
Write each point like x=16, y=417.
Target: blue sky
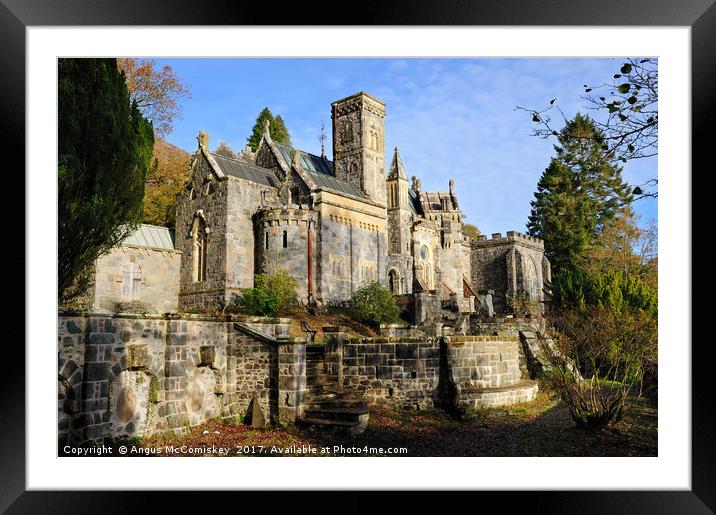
x=449, y=117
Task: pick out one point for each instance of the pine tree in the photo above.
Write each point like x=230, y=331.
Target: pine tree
x=277, y=129
x=279, y=132
x=578, y=195
x=104, y=151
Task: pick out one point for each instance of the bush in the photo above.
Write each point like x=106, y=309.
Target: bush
x=522, y=305
x=613, y=351
x=614, y=289
x=373, y=304
x=272, y=294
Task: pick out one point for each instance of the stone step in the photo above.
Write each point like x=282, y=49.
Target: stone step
x=342, y=413
x=350, y=423
x=334, y=403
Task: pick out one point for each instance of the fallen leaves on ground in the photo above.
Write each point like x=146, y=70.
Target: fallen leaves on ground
x=540, y=428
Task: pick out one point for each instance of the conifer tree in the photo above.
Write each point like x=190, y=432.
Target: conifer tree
x=578, y=195
x=277, y=129
x=279, y=132
x=104, y=151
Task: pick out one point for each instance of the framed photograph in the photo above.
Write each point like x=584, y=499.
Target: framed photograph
x=405, y=238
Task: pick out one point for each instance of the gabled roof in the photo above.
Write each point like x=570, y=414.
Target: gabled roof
x=309, y=162
x=152, y=237
x=249, y=172
x=320, y=171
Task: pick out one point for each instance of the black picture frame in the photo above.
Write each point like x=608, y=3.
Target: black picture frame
x=17, y=15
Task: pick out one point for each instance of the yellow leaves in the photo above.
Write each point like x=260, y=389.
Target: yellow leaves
x=164, y=182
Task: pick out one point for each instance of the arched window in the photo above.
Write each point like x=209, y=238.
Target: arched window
x=285, y=239
x=131, y=279
x=428, y=276
x=198, y=235
x=394, y=282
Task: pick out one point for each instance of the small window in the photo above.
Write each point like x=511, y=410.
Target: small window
x=285, y=239
x=266, y=239
x=423, y=252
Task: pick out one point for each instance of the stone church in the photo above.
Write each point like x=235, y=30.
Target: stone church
x=334, y=225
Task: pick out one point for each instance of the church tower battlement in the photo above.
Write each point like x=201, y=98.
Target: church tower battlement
x=359, y=143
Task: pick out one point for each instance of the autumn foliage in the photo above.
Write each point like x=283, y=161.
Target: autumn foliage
x=155, y=90
x=165, y=179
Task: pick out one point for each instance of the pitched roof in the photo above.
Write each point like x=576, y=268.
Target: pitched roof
x=309, y=162
x=151, y=236
x=320, y=169
x=397, y=170
x=328, y=182
x=414, y=202
x=249, y=172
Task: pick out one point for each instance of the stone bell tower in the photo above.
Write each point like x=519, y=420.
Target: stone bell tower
x=359, y=143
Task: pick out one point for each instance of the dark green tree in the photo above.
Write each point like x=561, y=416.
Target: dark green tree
x=277, y=129
x=104, y=151
x=279, y=132
x=578, y=195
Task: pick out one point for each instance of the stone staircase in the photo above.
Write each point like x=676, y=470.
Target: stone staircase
x=327, y=404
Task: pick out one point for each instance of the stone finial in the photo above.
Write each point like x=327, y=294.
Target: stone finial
x=296, y=158
x=203, y=139
x=267, y=124
x=452, y=187
x=416, y=184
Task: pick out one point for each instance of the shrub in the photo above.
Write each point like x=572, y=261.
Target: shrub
x=522, y=305
x=614, y=289
x=271, y=294
x=373, y=304
x=612, y=349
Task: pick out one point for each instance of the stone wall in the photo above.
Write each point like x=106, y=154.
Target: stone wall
x=424, y=371
x=243, y=202
x=130, y=375
x=210, y=205
x=483, y=361
x=350, y=253
x=158, y=289
x=403, y=371
x=509, y=265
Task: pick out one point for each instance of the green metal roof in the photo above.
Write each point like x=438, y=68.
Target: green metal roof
x=414, y=202
x=151, y=236
x=328, y=182
x=246, y=171
x=308, y=161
